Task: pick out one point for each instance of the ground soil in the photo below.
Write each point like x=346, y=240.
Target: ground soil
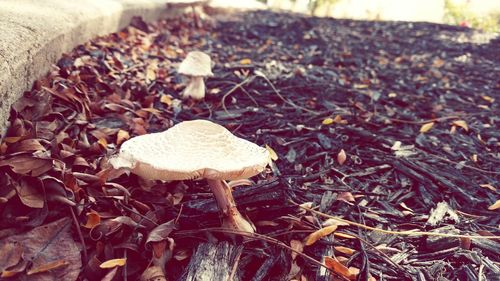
x=388, y=124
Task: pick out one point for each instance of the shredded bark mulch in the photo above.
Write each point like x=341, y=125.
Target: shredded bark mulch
x=390, y=125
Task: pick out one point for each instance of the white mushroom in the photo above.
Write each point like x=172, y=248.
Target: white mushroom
x=197, y=65
x=196, y=149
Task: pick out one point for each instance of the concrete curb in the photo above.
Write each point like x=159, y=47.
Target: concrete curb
x=34, y=34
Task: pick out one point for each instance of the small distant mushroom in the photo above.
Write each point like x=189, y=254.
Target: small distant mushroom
x=197, y=149
x=197, y=65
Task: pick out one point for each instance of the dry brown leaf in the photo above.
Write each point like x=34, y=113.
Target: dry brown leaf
x=488, y=186
x=122, y=136
x=30, y=192
x=273, y=154
x=339, y=268
x=344, y=235
x=153, y=273
x=495, y=206
x=245, y=61
x=333, y=221
x=426, y=127
x=166, y=99
x=103, y=142
x=47, y=266
x=465, y=243
x=151, y=73
x=181, y=255
x=341, y=157
x=345, y=250
x=11, y=255
x=28, y=165
x=298, y=246
x=346, y=197
x=161, y=232
x=318, y=234
x=113, y=263
x=488, y=98
x=461, y=124
x=54, y=240
x=93, y=219
x=327, y=121
x=111, y=275
x=29, y=145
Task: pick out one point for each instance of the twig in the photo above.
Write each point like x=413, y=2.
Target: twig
x=257, y=236
x=223, y=100
x=453, y=162
x=80, y=235
x=406, y=233
x=260, y=74
x=235, y=266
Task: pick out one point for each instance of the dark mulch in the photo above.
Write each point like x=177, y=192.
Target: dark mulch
x=341, y=102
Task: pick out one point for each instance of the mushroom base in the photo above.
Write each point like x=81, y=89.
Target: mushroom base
x=232, y=218
x=195, y=88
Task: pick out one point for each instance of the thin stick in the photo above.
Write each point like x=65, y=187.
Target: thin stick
x=260, y=74
x=80, y=235
x=235, y=266
x=408, y=233
x=239, y=85
x=258, y=236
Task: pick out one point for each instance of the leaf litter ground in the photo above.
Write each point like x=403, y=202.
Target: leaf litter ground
x=390, y=125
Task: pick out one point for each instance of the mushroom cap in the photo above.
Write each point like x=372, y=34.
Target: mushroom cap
x=196, y=63
x=189, y=150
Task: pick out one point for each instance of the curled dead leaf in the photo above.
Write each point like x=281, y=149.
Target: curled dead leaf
x=93, y=219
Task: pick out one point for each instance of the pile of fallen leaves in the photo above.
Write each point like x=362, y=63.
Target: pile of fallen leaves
x=391, y=125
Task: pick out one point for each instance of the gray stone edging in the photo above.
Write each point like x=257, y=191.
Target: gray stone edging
x=35, y=33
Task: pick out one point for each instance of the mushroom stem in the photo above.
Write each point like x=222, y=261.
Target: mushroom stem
x=231, y=216
x=195, y=88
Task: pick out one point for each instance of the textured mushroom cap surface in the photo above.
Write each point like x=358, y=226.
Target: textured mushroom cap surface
x=196, y=63
x=189, y=150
